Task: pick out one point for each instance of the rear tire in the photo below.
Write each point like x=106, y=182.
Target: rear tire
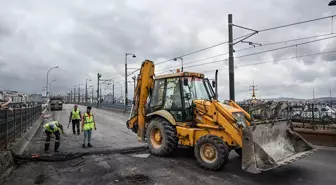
x=161, y=137
x=211, y=152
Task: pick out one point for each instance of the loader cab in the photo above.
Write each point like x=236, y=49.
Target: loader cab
x=176, y=92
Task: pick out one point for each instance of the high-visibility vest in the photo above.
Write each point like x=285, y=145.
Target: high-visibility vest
x=88, y=121
x=47, y=126
x=75, y=114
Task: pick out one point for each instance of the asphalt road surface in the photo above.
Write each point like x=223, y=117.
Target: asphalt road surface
x=142, y=168
x=111, y=133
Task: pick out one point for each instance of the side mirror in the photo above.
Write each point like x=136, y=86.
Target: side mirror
x=213, y=84
x=185, y=81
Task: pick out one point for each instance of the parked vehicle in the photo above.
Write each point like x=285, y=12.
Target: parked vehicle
x=56, y=103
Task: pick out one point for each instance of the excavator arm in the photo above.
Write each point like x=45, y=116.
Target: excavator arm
x=145, y=84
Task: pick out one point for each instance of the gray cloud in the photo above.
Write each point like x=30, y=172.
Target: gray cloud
x=85, y=38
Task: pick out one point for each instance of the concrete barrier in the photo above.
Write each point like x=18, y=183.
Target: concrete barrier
x=318, y=137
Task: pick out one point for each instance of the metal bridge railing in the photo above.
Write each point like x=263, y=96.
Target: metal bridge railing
x=15, y=122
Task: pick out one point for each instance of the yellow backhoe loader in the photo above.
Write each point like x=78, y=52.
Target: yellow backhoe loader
x=182, y=109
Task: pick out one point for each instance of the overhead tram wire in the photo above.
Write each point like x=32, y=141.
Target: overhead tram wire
x=277, y=60
x=200, y=50
x=285, y=41
x=289, y=58
x=248, y=48
x=303, y=43
x=256, y=53
x=243, y=36
x=297, y=23
x=197, y=51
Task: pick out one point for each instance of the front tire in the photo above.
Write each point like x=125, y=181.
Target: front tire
x=211, y=152
x=161, y=137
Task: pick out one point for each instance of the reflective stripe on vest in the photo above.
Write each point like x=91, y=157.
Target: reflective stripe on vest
x=75, y=114
x=88, y=121
x=47, y=126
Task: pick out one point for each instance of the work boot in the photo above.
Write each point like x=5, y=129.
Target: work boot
x=83, y=146
x=46, y=147
x=74, y=132
x=89, y=145
x=57, y=144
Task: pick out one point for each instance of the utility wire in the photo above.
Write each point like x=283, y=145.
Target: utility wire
x=258, y=31
x=197, y=51
x=297, y=23
x=272, y=61
x=289, y=58
x=259, y=63
x=217, y=61
x=267, y=44
x=284, y=41
x=251, y=54
x=187, y=54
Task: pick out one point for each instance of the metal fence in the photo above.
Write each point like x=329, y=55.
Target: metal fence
x=15, y=122
x=310, y=115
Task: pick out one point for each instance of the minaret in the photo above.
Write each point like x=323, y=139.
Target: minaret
x=254, y=99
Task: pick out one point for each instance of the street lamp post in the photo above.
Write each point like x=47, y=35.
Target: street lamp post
x=47, y=94
x=332, y=3
x=50, y=85
x=86, y=93
x=175, y=59
x=133, y=55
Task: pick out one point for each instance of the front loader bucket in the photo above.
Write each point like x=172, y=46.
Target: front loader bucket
x=271, y=144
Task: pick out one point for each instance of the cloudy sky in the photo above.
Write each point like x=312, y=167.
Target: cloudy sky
x=87, y=37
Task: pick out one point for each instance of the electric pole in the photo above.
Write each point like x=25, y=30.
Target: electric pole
x=86, y=92
x=231, y=51
x=98, y=77
x=231, y=60
x=126, y=94
x=92, y=96
x=70, y=97
x=113, y=93
x=74, y=96
x=79, y=93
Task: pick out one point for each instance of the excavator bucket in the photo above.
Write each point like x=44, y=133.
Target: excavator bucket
x=269, y=144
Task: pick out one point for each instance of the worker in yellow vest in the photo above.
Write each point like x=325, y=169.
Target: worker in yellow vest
x=53, y=127
x=88, y=124
x=75, y=117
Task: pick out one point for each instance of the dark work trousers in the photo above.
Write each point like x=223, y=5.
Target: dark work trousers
x=75, y=123
x=57, y=140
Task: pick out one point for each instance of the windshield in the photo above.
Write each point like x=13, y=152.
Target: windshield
x=196, y=88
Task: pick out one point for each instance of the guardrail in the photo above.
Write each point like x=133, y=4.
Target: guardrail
x=15, y=122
